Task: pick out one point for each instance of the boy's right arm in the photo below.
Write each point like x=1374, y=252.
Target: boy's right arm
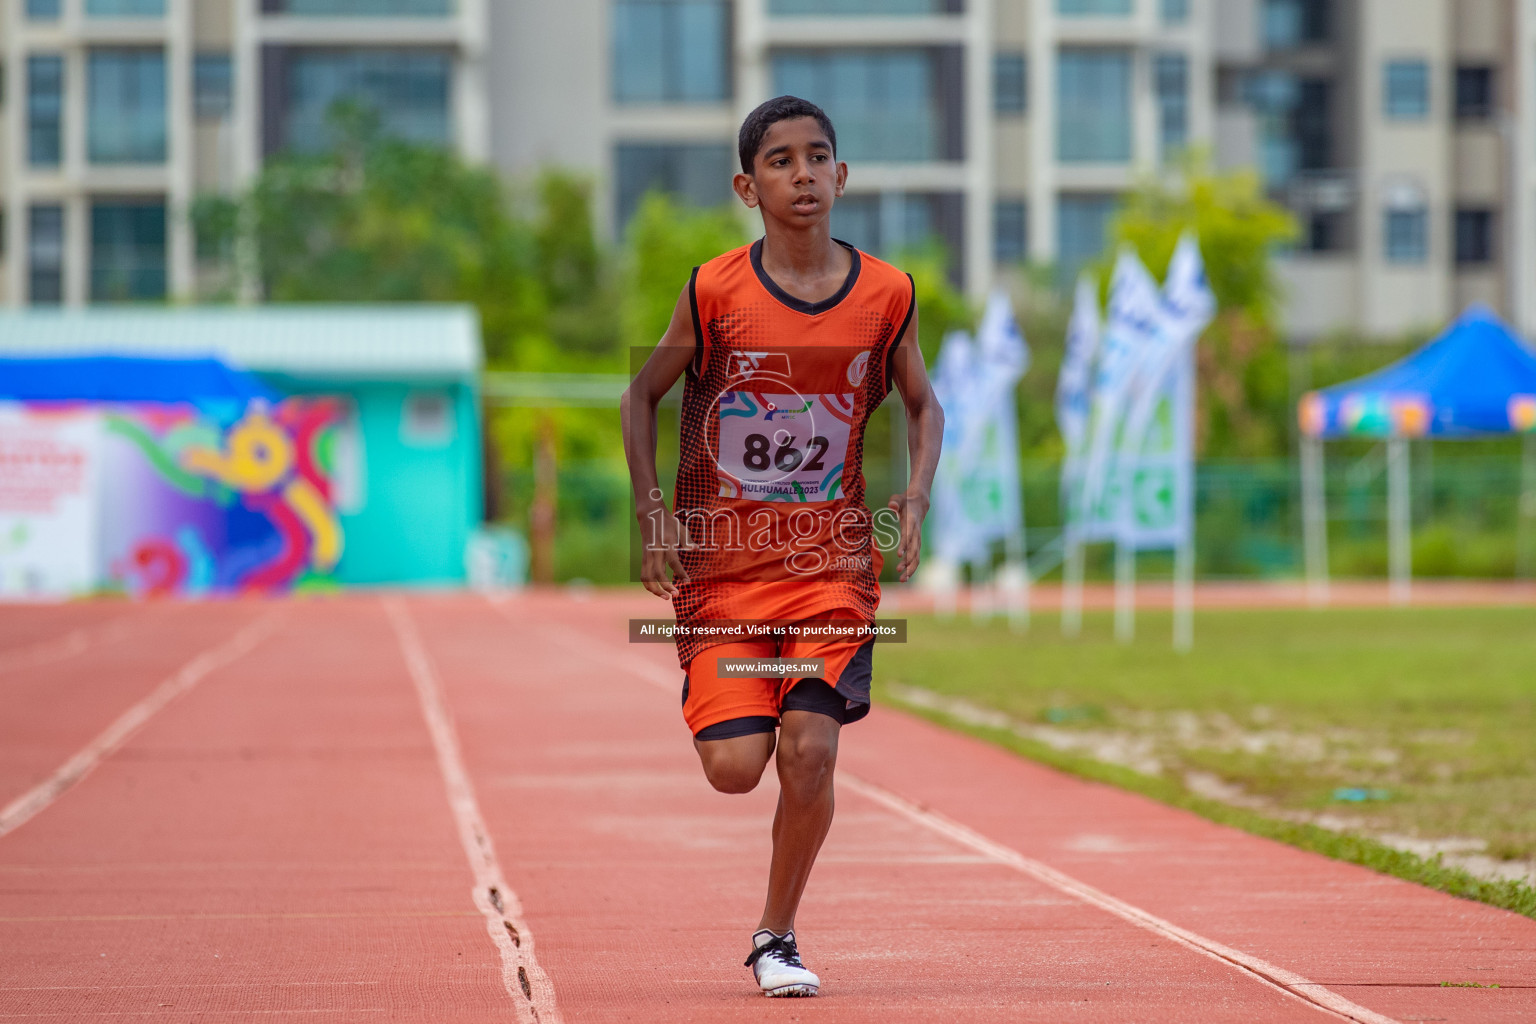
x=659, y=531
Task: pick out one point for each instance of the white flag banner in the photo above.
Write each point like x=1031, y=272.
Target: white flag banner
x=976, y=489
x=1156, y=458
x=954, y=386
x=1187, y=294
x=1133, y=328
x=1073, y=385
x=1188, y=306
x=993, y=503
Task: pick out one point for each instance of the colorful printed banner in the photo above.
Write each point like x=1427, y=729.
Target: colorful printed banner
x=200, y=506
x=168, y=499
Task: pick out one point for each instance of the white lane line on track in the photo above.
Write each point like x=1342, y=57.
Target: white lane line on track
x=29, y=804
x=1281, y=980
x=59, y=648
x=532, y=993
x=1278, y=978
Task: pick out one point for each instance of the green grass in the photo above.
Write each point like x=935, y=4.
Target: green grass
x=1426, y=716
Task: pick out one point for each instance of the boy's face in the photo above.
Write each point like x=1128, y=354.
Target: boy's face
x=794, y=175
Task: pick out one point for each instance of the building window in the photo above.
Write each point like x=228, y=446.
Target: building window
x=1073, y=8
x=45, y=110
x=1407, y=89
x=1273, y=96
x=1474, y=93
x=671, y=51
x=1291, y=23
x=1474, y=236
x=364, y=8
x=695, y=173
x=1325, y=232
x=1082, y=231
x=1010, y=83
x=1010, y=231
x=125, y=8
x=1174, y=12
x=407, y=90
x=885, y=223
x=1294, y=124
x=1093, y=90
x=125, y=118
x=1407, y=236
x=212, y=85
x=426, y=419
x=127, y=251
x=1170, y=72
x=43, y=10
x=795, y=7
x=896, y=105
x=1312, y=124
x=45, y=255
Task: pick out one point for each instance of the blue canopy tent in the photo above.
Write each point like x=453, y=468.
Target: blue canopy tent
x=1478, y=379
x=105, y=378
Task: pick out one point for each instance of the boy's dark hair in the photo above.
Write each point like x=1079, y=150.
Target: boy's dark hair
x=781, y=108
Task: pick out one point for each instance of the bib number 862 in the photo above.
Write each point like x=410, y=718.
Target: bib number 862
x=787, y=458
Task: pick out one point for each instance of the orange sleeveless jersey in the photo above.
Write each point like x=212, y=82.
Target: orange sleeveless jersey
x=770, y=484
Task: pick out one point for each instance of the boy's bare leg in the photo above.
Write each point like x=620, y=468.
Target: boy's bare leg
x=807, y=757
x=735, y=765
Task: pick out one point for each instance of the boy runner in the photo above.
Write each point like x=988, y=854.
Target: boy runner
x=787, y=345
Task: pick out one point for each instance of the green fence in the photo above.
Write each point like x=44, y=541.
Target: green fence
x=1466, y=516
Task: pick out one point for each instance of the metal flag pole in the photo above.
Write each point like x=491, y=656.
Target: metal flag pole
x=981, y=590
x=1399, y=522
x=1014, y=578
x=1184, y=596
x=1525, y=557
x=1184, y=553
x=1125, y=548
x=1072, y=586
x=1125, y=592
x=1314, y=519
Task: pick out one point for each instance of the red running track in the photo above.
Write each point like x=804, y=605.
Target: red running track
x=296, y=811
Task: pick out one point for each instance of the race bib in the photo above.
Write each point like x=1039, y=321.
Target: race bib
x=777, y=447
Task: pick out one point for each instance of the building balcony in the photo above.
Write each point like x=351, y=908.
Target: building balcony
x=1320, y=191
x=378, y=31
x=866, y=30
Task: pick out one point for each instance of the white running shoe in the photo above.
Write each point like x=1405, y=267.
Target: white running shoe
x=775, y=962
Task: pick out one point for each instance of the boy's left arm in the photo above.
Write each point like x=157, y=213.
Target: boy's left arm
x=925, y=435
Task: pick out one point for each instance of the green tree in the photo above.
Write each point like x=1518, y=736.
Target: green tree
x=1244, y=393
x=941, y=307
x=663, y=241
x=575, y=275
x=378, y=219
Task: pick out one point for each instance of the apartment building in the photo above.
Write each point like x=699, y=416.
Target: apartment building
x=117, y=114
x=946, y=109
x=1401, y=132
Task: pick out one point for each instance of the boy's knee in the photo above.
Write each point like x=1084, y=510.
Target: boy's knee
x=733, y=776
x=735, y=765
x=807, y=760
x=735, y=769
